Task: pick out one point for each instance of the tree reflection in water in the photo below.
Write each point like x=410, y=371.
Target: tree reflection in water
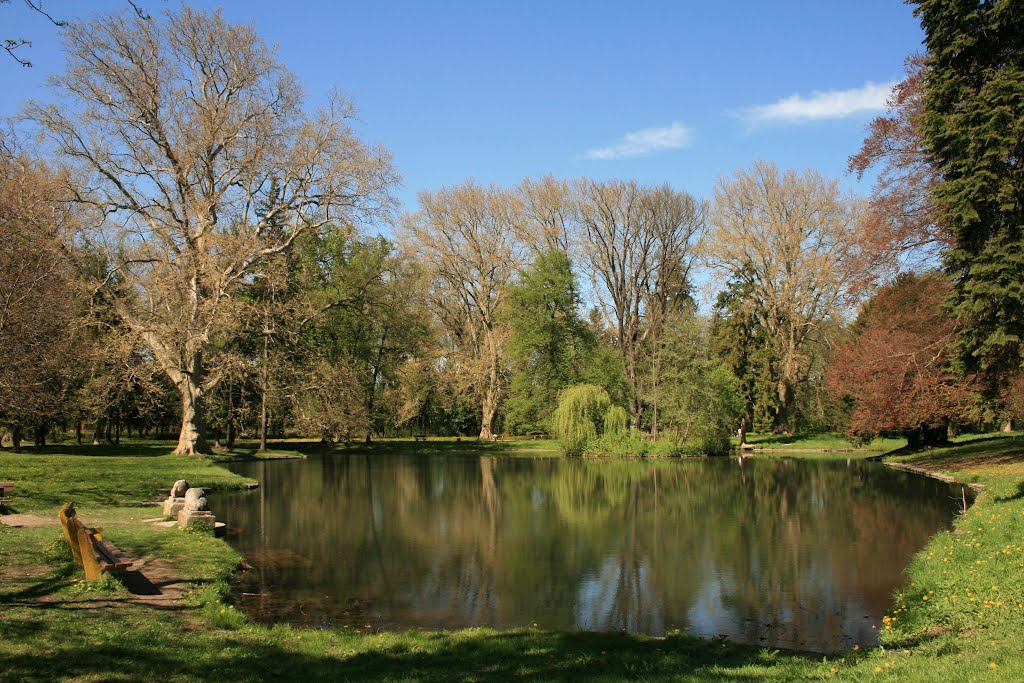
x=794, y=553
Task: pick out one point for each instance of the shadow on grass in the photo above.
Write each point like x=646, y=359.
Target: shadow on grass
x=1017, y=496
x=972, y=452
x=435, y=657
x=54, y=581
x=141, y=449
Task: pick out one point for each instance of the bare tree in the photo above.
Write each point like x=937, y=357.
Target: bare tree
x=638, y=251
x=42, y=305
x=790, y=233
x=465, y=238
x=201, y=164
x=549, y=220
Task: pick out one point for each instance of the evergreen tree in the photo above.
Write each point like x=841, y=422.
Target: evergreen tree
x=548, y=345
x=739, y=342
x=973, y=127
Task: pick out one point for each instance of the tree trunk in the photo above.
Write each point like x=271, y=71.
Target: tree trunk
x=784, y=416
x=192, y=438
x=231, y=417
x=97, y=434
x=488, y=411
x=492, y=392
x=16, y=438
x=78, y=432
x=264, y=375
x=40, y=437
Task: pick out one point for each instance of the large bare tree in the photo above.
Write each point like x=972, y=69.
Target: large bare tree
x=790, y=233
x=465, y=237
x=201, y=162
x=638, y=250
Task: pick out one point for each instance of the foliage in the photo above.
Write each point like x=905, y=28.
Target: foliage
x=897, y=369
x=581, y=410
x=466, y=239
x=548, y=347
x=739, y=341
x=617, y=438
x=186, y=184
x=639, y=249
x=329, y=403
x=699, y=396
x=793, y=233
x=616, y=421
x=973, y=126
x=901, y=227
x=42, y=305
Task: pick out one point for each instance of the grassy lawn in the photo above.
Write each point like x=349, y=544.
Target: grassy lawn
x=960, y=617
x=821, y=442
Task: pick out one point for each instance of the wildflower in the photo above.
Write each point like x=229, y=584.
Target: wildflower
x=993, y=665
x=878, y=669
x=856, y=647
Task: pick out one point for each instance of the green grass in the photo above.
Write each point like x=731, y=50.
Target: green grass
x=832, y=441
x=55, y=627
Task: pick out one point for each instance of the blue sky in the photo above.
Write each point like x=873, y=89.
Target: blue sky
x=674, y=92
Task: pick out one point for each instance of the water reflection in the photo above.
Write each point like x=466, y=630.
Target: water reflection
x=781, y=552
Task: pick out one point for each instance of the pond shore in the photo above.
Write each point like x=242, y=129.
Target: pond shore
x=959, y=617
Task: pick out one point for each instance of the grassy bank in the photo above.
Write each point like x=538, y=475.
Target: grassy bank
x=56, y=627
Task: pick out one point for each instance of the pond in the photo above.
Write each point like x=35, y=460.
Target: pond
x=784, y=552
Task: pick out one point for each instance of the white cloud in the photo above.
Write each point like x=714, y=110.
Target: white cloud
x=640, y=143
x=833, y=104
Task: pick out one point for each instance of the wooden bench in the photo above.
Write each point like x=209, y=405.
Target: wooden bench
x=537, y=435
x=6, y=489
x=419, y=437
x=97, y=557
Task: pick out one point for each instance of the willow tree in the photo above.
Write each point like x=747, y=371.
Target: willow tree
x=581, y=409
x=201, y=163
x=464, y=237
x=790, y=235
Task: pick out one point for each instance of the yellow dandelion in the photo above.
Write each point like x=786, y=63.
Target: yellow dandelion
x=993, y=665
x=878, y=669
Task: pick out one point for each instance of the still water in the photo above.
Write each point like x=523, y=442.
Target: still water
x=791, y=553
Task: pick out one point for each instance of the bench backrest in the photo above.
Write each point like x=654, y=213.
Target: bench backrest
x=69, y=523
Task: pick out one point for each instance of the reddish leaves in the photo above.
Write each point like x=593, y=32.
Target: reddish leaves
x=897, y=369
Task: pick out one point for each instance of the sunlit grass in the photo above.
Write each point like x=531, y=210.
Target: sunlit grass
x=831, y=441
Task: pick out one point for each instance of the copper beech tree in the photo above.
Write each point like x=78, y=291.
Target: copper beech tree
x=901, y=227
x=897, y=368
x=201, y=162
